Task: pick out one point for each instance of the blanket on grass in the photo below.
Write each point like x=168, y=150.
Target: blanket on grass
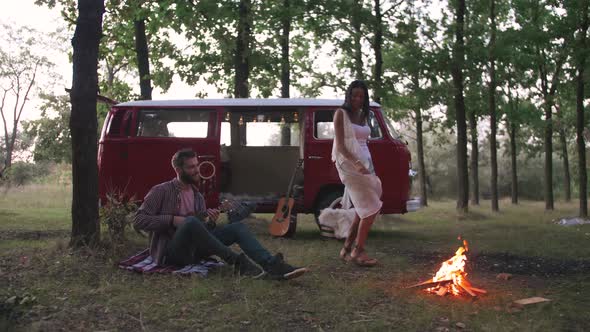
x=142, y=262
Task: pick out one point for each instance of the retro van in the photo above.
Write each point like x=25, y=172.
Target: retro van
x=255, y=146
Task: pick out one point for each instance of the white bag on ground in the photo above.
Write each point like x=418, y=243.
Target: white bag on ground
x=339, y=220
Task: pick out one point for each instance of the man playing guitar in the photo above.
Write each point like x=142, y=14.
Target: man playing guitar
x=174, y=213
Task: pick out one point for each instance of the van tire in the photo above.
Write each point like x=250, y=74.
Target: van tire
x=323, y=202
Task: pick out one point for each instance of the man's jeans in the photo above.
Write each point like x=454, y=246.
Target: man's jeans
x=193, y=241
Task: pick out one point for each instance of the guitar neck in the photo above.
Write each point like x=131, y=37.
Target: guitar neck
x=290, y=188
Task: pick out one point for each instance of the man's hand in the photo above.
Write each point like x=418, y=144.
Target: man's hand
x=213, y=214
x=178, y=221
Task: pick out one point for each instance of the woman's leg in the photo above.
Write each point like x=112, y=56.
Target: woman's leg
x=358, y=252
x=350, y=239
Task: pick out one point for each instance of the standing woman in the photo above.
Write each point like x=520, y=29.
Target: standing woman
x=355, y=168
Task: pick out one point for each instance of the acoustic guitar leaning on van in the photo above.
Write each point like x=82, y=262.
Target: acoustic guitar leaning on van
x=284, y=223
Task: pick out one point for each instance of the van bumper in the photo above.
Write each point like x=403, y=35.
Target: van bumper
x=413, y=204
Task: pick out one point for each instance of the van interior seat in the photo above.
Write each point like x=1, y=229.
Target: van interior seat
x=262, y=170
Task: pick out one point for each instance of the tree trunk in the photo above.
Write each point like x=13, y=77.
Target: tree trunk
x=357, y=34
x=421, y=164
x=492, y=105
x=457, y=73
x=513, y=167
x=83, y=123
x=143, y=62
x=566, y=166
x=285, y=64
x=474, y=168
x=242, y=56
x=548, y=158
x=512, y=132
x=580, y=123
x=420, y=144
x=377, y=47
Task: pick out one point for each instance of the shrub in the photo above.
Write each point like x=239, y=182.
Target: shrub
x=116, y=214
x=22, y=173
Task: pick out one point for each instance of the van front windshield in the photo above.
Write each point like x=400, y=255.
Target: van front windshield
x=390, y=127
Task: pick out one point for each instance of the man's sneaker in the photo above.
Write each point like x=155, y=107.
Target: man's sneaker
x=279, y=270
x=244, y=267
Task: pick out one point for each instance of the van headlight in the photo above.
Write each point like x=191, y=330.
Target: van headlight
x=412, y=172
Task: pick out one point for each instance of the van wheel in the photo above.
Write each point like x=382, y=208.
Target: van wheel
x=325, y=201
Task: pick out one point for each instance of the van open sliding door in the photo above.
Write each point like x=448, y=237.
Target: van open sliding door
x=160, y=132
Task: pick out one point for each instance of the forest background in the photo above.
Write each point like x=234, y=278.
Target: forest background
x=489, y=94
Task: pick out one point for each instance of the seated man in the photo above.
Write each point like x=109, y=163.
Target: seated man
x=178, y=237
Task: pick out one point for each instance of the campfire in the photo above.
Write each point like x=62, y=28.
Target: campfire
x=451, y=278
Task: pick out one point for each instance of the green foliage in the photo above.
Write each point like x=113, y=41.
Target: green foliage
x=22, y=65
x=21, y=173
x=51, y=131
x=116, y=215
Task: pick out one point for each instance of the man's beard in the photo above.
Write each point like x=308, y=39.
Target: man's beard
x=187, y=178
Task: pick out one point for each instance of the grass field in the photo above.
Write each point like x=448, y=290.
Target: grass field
x=44, y=286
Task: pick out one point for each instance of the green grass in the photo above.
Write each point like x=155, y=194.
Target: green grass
x=85, y=291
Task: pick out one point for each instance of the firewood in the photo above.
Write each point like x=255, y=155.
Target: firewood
x=530, y=300
x=470, y=286
x=442, y=291
x=430, y=283
x=466, y=288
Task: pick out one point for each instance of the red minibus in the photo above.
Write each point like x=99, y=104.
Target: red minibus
x=255, y=146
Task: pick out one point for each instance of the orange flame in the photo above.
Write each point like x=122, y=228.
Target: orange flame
x=451, y=277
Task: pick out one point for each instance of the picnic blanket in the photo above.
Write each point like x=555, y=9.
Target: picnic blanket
x=142, y=262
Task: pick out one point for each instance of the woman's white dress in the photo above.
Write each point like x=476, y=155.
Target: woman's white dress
x=362, y=191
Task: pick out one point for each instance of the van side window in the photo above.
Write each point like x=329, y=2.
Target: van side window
x=174, y=123
x=115, y=123
x=261, y=128
x=374, y=125
x=323, y=124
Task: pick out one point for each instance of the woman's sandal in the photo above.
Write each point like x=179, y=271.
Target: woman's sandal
x=345, y=253
x=361, y=258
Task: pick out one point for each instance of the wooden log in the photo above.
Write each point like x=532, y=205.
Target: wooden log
x=530, y=300
x=466, y=288
x=479, y=290
x=430, y=283
x=465, y=282
x=442, y=291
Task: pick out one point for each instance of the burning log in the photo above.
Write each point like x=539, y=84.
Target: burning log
x=451, y=277
x=431, y=283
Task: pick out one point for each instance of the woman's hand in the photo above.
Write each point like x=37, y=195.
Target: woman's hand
x=358, y=165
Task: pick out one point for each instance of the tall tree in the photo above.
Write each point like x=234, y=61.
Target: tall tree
x=411, y=59
x=459, y=103
x=579, y=11
x=378, y=51
x=20, y=66
x=83, y=123
x=545, y=33
x=284, y=41
x=242, y=50
x=492, y=107
x=128, y=28
x=562, y=134
x=143, y=62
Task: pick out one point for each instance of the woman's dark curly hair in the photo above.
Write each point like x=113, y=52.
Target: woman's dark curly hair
x=347, y=99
